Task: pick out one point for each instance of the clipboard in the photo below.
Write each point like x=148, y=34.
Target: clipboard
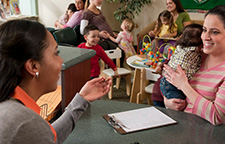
x=137, y=120
x=116, y=127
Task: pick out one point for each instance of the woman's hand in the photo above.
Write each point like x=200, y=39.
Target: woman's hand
x=175, y=104
x=95, y=88
x=177, y=78
x=104, y=34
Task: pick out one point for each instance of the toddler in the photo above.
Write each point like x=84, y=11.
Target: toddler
x=187, y=55
x=165, y=28
x=91, y=35
x=125, y=38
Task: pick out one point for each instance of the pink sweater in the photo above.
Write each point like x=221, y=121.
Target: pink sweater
x=74, y=20
x=210, y=84
x=100, y=53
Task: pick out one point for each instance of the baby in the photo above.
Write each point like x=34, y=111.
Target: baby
x=187, y=55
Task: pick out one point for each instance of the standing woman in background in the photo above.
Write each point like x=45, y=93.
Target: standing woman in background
x=30, y=67
x=76, y=17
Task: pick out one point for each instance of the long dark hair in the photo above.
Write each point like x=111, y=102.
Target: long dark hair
x=179, y=6
x=219, y=11
x=20, y=40
x=168, y=16
x=191, y=36
x=72, y=7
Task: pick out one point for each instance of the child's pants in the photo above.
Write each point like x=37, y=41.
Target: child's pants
x=170, y=91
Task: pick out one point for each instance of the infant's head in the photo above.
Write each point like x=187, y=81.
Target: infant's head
x=191, y=36
x=128, y=25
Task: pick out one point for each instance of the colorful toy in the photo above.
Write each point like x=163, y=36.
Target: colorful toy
x=157, y=57
x=146, y=45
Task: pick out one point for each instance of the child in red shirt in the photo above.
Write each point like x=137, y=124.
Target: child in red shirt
x=91, y=35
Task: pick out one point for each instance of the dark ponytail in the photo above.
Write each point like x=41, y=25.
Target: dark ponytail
x=20, y=40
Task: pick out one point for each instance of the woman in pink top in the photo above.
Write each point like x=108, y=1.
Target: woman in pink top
x=76, y=17
x=206, y=90
x=63, y=19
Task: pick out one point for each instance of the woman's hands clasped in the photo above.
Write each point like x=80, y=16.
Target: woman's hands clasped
x=95, y=88
x=175, y=104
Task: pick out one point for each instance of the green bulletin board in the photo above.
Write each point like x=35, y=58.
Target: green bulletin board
x=201, y=4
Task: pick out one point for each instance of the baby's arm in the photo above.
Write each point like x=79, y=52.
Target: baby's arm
x=112, y=39
x=117, y=39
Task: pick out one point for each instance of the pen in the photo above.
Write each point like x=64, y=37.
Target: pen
x=118, y=122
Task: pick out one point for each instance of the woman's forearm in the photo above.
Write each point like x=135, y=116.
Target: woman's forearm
x=189, y=92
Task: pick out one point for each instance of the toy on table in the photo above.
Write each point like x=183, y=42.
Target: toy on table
x=157, y=57
x=146, y=45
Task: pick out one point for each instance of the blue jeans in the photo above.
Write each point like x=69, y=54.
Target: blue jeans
x=170, y=91
x=159, y=104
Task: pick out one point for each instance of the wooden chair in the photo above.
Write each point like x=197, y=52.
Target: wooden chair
x=146, y=88
x=123, y=72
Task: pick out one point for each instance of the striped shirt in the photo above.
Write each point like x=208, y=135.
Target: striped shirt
x=210, y=84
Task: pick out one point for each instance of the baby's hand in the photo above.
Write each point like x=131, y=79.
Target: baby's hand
x=158, y=69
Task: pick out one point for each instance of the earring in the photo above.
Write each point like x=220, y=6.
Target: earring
x=36, y=74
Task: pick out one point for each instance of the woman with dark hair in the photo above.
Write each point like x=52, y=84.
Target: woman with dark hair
x=30, y=67
x=63, y=19
x=76, y=17
x=205, y=90
x=180, y=17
